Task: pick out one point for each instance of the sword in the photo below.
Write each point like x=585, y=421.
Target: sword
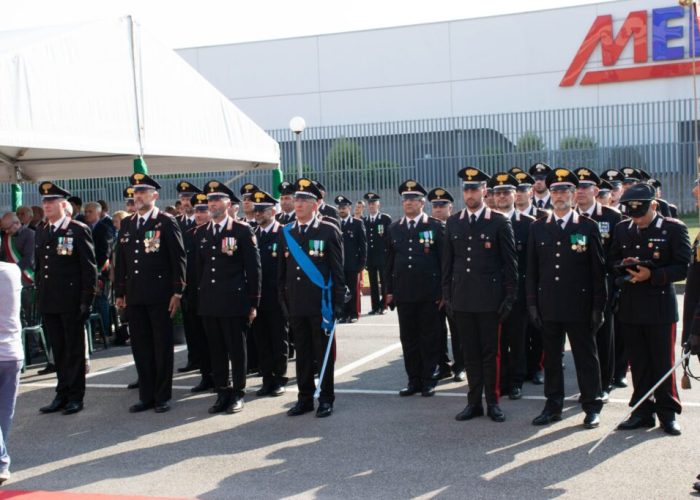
x=325, y=360
x=685, y=356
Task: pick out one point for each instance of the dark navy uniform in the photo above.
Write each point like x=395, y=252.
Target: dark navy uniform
x=377, y=227
x=565, y=283
x=606, y=218
x=322, y=242
x=479, y=269
x=648, y=310
x=413, y=270
x=189, y=319
x=271, y=327
x=150, y=269
x=66, y=280
x=284, y=218
x=229, y=280
x=354, y=261
x=514, y=328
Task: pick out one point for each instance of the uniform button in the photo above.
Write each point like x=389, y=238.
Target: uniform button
x=297, y=268
x=136, y=251
x=557, y=255
x=46, y=267
x=136, y=261
x=137, y=241
x=556, y=267
x=469, y=270
x=213, y=258
x=470, y=237
x=213, y=270
x=46, y=276
x=636, y=246
x=410, y=249
x=136, y=271
x=469, y=259
x=298, y=278
x=409, y=266
x=213, y=281
x=213, y=247
x=47, y=247
x=556, y=278
x=558, y=243
x=410, y=241
x=469, y=249
x=410, y=257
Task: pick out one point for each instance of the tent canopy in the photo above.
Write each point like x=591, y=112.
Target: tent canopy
x=84, y=100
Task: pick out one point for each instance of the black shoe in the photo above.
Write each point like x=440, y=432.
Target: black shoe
x=460, y=376
x=235, y=406
x=50, y=368
x=133, y=385
x=469, y=412
x=161, y=407
x=265, y=390
x=635, y=422
x=140, y=406
x=56, y=405
x=538, y=378
x=73, y=407
x=222, y=401
x=670, y=427
x=428, y=391
x=592, y=420
x=372, y=312
x=291, y=353
x=495, y=413
x=324, y=410
x=442, y=372
x=351, y=319
x=696, y=486
x=204, y=385
x=546, y=417
x=382, y=311
x=515, y=393
x=300, y=408
x=606, y=397
x=410, y=390
x=620, y=382
x=342, y=320
x=189, y=367
x=277, y=390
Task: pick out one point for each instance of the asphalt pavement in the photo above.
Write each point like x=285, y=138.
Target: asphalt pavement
x=375, y=445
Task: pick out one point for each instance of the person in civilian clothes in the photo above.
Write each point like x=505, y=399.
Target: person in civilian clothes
x=414, y=255
x=566, y=294
x=441, y=208
x=514, y=329
x=354, y=255
x=66, y=284
x=228, y=289
x=607, y=219
x=480, y=286
x=271, y=326
x=103, y=234
x=185, y=191
x=192, y=238
x=376, y=224
x=656, y=250
x=541, y=197
x=304, y=301
x=149, y=281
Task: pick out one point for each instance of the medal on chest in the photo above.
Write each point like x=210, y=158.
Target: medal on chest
x=64, y=246
x=426, y=239
x=273, y=247
x=578, y=243
x=604, y=228
x=151, y=241
x=228, y=245
x=316, y=247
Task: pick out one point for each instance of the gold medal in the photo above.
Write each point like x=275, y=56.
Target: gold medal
x=574, y=247
x=312, y=253
x=320, y=254
x=421, y=240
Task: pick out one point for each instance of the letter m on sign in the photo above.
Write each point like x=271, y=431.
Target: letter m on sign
x=635, y=26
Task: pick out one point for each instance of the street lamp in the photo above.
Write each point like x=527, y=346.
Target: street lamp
x=298, y=124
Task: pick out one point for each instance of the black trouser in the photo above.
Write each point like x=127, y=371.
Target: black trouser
x=376, y=286
x=311, y=343
x=270, y=329
x=226, y=336
x=351, y=280
x=66, y=334
x=605, y=340
x=622, y=360
x=444, y=356
x=585, y=352
x=151, y=332
x=251, y=348
x=194, y=334
x=513, y=332
x=479, y=334
x=419, y=330
x=651, y=353
x=533, y=347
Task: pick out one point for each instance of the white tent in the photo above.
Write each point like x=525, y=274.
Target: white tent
x=83, y=101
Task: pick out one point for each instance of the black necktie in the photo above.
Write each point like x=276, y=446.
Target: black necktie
x=302, y=228
x=411, y=225
x=560, y=223
x=51, y=230
x=217, y=228
x=142, y=222
x=472, y=219
x=540, y=203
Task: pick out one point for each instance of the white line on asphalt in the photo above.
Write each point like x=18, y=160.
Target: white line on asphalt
x=393, y=325
x=381, y=352
x=121, y=366
x=370, y=392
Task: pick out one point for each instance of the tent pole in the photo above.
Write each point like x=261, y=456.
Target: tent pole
x=16, y=197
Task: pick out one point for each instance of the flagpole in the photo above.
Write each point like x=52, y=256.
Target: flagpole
x=695, y=27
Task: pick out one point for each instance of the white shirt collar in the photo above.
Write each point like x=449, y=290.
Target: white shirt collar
x=222, y=224
x=477, y=213
x=416, y=219
x=566, y=218
x=58, y=223
x=590, y=210
x=347, y=219
x=147, y=215
x=510, y=213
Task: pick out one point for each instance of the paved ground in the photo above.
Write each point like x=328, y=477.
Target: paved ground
x=376, y=445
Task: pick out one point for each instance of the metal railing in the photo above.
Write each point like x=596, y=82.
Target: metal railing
x=353, y=159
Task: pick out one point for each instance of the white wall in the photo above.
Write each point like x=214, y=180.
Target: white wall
x=477, y=66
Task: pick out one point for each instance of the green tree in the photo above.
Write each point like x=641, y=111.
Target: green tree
x=344, y=165
x=578, y=151
x=529, y=142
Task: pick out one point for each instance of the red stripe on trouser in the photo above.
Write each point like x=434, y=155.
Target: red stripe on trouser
x=674, y=389
x=358, y=293
x=498, y=364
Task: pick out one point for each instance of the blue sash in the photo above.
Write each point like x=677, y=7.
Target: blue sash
x=315, y=276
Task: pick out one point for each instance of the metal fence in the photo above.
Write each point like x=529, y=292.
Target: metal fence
x=353, y=159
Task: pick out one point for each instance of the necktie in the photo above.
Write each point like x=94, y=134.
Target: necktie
x=217, y=228
x=302, y=228
x=472, y=219
x=51, y=230
x=540, y=203
x=142, y=222
x=560, y=223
